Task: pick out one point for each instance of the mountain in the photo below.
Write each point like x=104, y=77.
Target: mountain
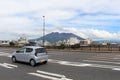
x=56, y=36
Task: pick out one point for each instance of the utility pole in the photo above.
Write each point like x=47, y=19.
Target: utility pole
x=43, y=31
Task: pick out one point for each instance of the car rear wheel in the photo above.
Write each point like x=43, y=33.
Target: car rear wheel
x=32, y=62
x=13, y=59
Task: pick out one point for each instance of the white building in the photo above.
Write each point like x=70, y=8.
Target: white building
x=4, y=42
x=85, y=42
x=22, y=41
x=73, y=41
x=59, y=43
x=46, y=43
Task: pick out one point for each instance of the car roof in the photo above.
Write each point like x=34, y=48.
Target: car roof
x=34, y=47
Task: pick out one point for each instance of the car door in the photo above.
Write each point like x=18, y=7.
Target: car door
x=20, y=54
x=27, y=54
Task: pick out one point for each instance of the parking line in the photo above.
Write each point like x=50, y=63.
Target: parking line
x=48, y=75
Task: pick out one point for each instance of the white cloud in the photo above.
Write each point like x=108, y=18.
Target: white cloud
x=25, y=17
x=88, y=33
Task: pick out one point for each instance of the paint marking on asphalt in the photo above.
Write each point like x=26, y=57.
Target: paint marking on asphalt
x=69, y=63
x=101, y=61
x=116, y=69
x=78, y=64
x=10, y=65
x=7, y=65
x=50, y=76
x=5, y=54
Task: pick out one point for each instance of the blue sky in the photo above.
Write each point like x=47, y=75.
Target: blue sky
x=94, y=19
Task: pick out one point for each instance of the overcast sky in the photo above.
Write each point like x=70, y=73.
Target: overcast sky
x=95, y=19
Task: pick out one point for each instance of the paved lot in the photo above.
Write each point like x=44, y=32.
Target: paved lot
x=63, y=66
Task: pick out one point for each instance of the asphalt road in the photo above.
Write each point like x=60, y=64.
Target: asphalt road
x=62, y=66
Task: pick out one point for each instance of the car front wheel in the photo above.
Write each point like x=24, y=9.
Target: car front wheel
x=32, y=62
x=13, y=59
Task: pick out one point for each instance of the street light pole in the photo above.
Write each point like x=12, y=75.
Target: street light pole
x=43, y=30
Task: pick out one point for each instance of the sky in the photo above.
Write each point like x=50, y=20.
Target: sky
x=94, y=19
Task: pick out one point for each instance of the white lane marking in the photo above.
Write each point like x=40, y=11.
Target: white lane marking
x=7, y=65
x=69, y=63
x=50, y=76
x=43, y=76
x=9, y=56
x=116, y=69
x=10, y=65
x=101, y=61
x=116, y=58
x=78, y=64
x=5, y=54
x=48, y=73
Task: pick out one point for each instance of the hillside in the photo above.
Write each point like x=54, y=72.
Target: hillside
x=55, y=36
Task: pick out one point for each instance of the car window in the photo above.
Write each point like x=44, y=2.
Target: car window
x=40, y=50
x=29, y=50
x=20, y=51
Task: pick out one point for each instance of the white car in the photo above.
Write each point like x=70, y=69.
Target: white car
x=31, y=54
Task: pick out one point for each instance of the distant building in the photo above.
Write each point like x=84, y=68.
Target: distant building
x=4, y=42
x=105, y=43
x=46, y=43
x=22, y=41
x=73, y=41
x=85, y=42
x=60, y=42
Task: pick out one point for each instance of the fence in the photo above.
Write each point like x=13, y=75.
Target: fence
x=87, y=48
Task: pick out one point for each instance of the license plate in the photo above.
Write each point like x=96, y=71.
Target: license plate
x=42, y=60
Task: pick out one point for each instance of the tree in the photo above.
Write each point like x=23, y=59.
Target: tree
x=12, y=44
x=75, y=46
x=62, y=46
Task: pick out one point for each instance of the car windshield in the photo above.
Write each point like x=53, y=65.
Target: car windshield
x=40, y=50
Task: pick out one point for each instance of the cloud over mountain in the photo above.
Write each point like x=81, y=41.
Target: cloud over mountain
x=87, y=18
